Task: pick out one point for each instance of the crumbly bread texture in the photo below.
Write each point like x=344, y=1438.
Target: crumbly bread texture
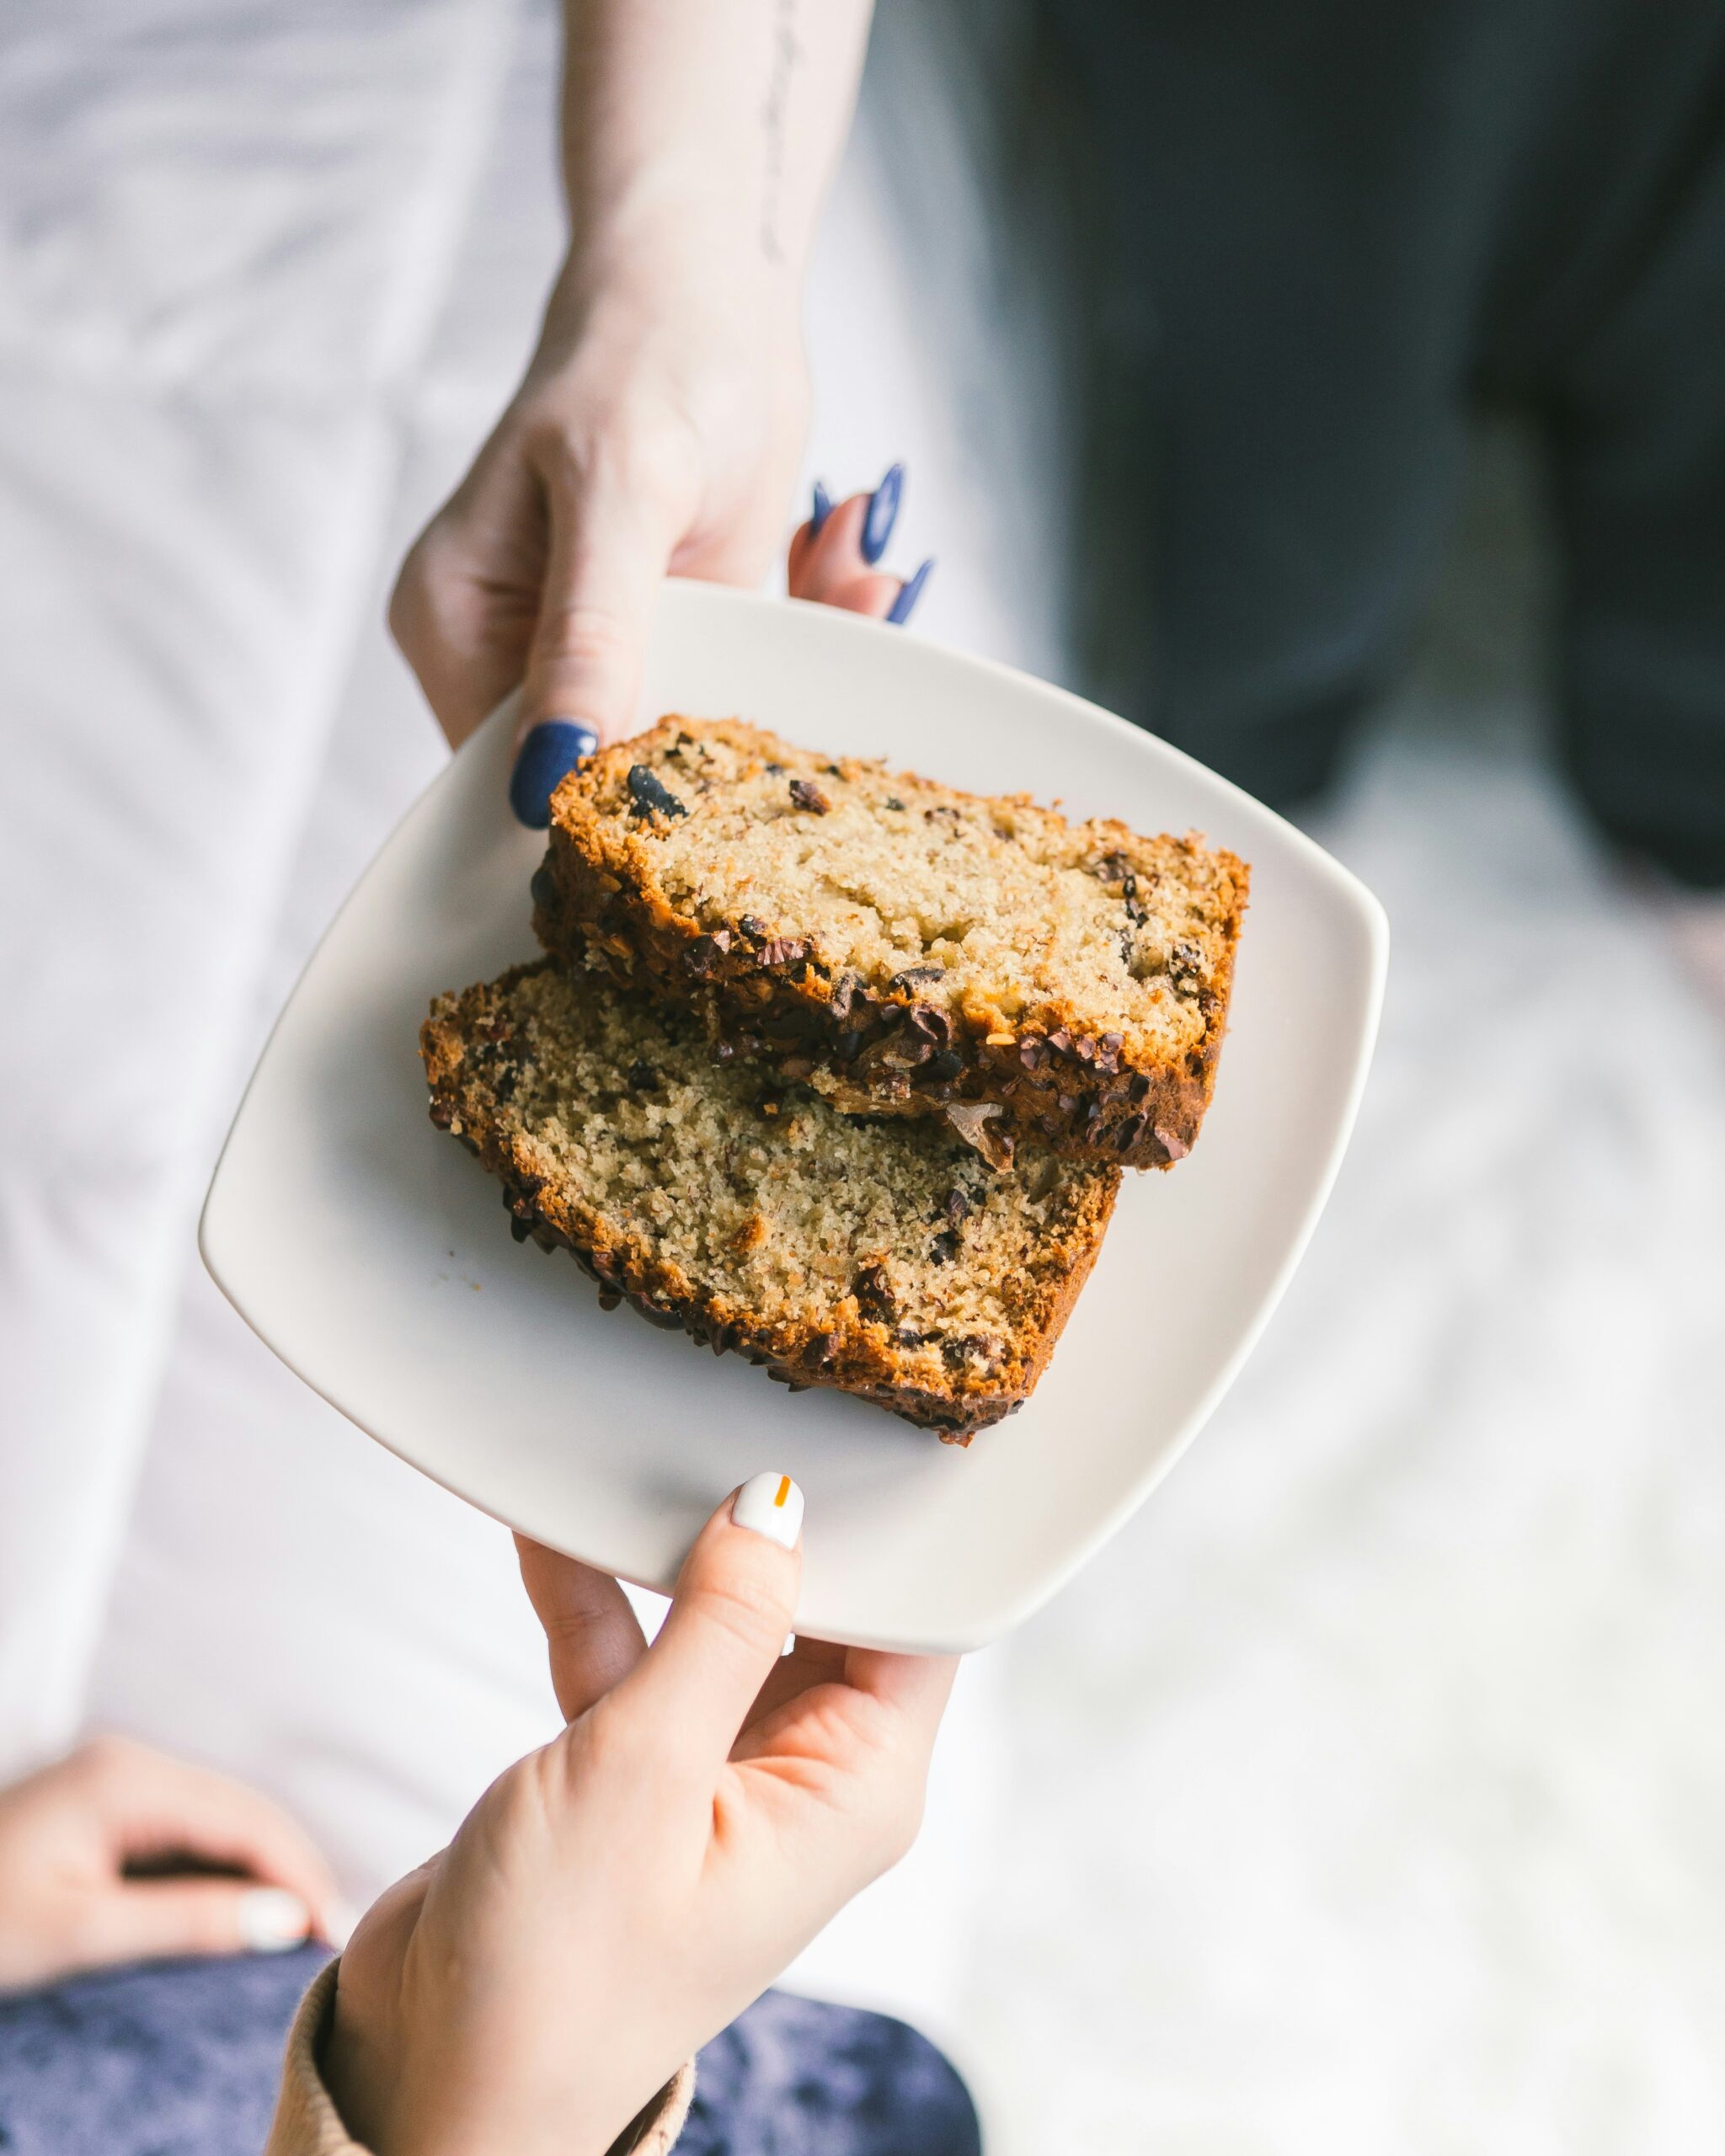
x=901, y=947
x=881, y=1256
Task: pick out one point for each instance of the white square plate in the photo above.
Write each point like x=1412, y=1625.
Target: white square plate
x=374, y=1255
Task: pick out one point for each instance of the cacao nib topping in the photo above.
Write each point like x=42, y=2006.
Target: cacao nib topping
x=722, y=1051
x=944, y=1248
x=775, y=770
x=1171, y=1142
x=957, y=1206
x=1060, y=1040
x=1131, y=1130
x=873, y=1291
x=808, y=795
x=833, y=772
x=1138, y=1086
x=820, y=1348
x=705, y=951
x=913, y=977
x=650, y=796
x=844, y=995
x=442, y=1115
x=944, y=1066
x=643, y=1078
x=783, y=950
x=893, y=801
x=520, y=1230
x=847, y=1046
x=1186, y=968
x=936, y=1024
x=543, y=887
x=1113, y=867
x=609, y=1297
x=1032, y=1053
x=751, y=924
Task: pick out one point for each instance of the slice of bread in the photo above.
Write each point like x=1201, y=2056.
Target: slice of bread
x=901, y=947
x=881, y=1256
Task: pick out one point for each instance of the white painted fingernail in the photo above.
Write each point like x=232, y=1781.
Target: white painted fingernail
x=770, y=1505
x=271, y=1920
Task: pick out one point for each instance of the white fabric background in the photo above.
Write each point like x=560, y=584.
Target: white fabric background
x=1369, y=1794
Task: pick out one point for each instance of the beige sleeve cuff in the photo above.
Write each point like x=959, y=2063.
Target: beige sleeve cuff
x=306, y=2122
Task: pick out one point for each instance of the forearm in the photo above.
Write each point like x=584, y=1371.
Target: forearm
x=706, y=130
x=660, y=423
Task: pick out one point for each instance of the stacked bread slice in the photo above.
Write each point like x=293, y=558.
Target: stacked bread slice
x=836, y=1067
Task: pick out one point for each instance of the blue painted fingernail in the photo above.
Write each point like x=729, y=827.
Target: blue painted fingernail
x=822, y=510
x=910, y=594
x=883, y=513
x=549, y=753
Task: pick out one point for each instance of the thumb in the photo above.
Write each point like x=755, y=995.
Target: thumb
x=151, y=1919
x=611, y=546
x=735, y=1602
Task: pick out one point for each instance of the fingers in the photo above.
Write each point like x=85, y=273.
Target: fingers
x=833, y=556
x=915, y=1687
x=151, y=1919
x=591, y=1630
x=463, y=607
x=735, y=1602
x=611, y=547
x=911, y=1691
x=150, y=1805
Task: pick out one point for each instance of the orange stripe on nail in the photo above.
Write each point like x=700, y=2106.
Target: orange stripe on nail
x=784, y=1489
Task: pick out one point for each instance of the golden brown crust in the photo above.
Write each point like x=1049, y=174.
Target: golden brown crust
x=598, y=902
x=858, y=1354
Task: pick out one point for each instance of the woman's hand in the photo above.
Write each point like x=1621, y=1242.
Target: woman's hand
x=616, y=1899
x=660, y=425
x=657, y=432
x=95, y=1853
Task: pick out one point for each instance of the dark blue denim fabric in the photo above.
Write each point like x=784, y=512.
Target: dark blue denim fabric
x=181, y=2058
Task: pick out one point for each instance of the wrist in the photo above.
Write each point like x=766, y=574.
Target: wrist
x=667, y=308
x=670, y=254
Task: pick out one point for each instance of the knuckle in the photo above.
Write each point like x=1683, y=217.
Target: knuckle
x=635, y=446
x=576, y=634
x=424, y=584
x=901, y=1825
x=746, y=1609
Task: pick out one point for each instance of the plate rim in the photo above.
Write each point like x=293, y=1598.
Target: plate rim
x=1006, y=1612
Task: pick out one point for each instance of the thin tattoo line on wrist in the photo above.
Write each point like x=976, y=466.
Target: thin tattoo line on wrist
x=786, y=55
